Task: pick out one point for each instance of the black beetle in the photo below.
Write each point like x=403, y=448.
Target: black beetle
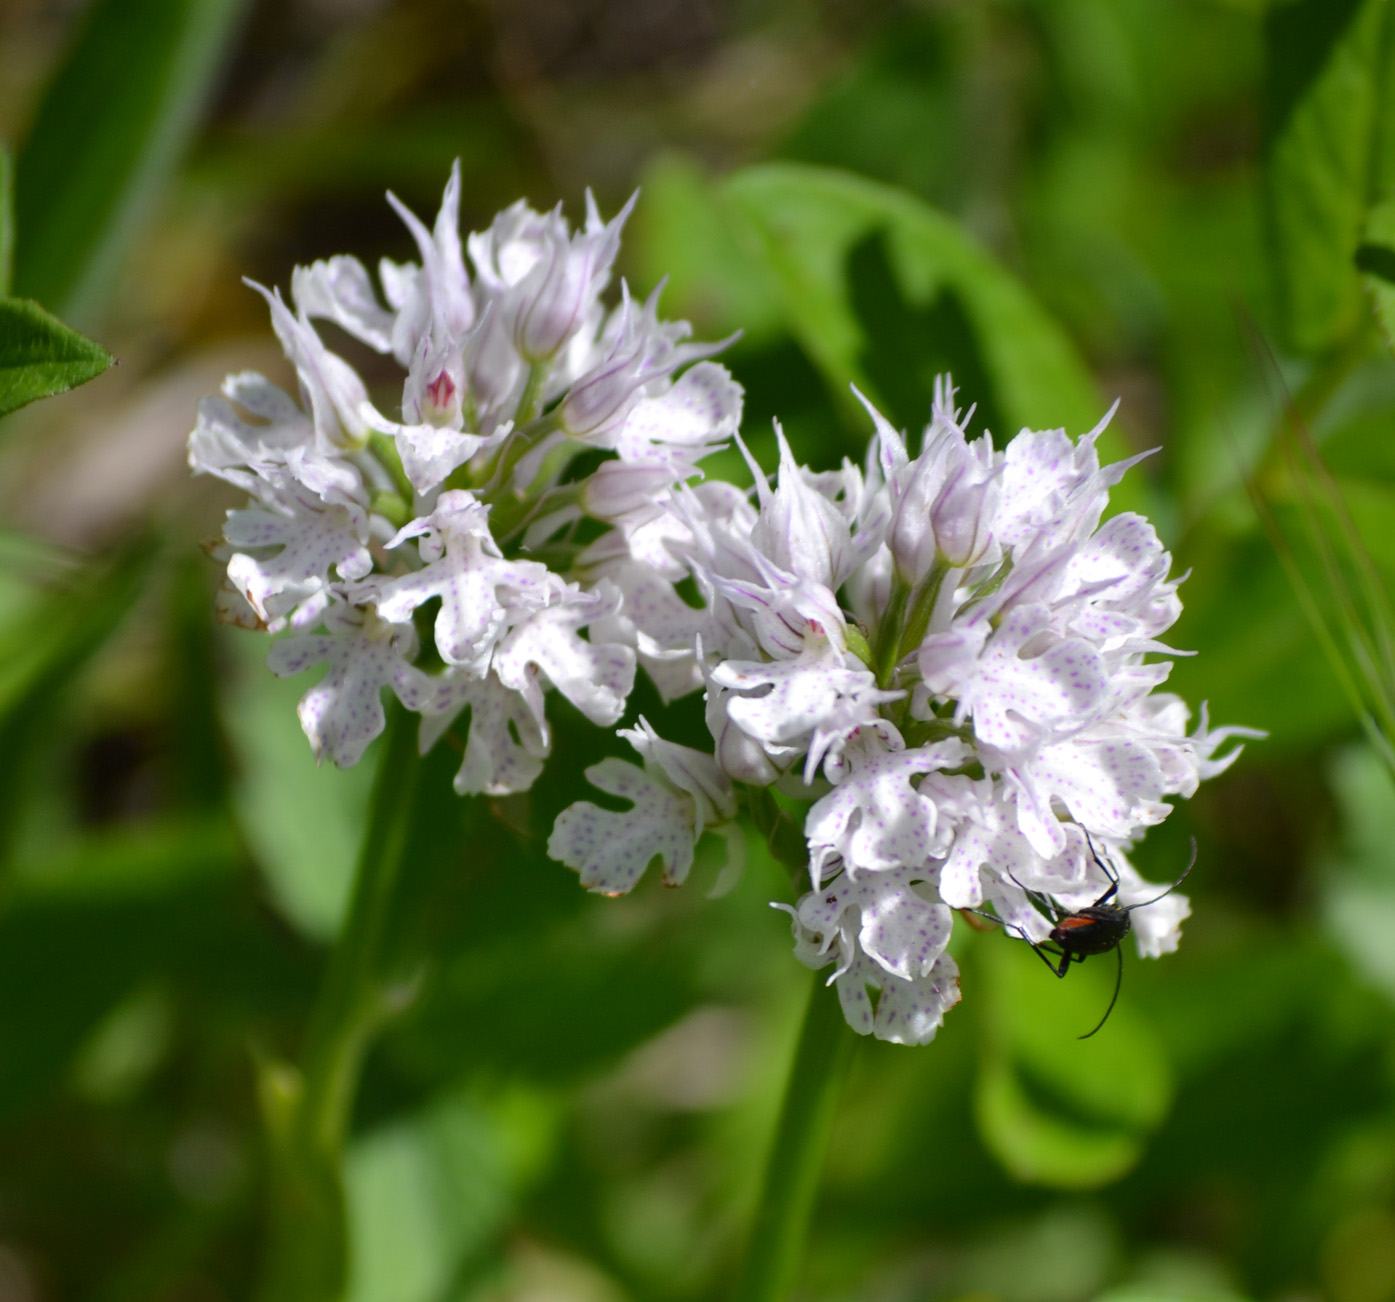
x=1095, y=929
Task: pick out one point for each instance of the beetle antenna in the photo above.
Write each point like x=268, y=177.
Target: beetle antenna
x=1190, y=864
x=1037, y=898
x=1118, y=981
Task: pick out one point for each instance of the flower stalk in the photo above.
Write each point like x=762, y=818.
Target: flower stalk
x=781, y=1224
x=308, y=1112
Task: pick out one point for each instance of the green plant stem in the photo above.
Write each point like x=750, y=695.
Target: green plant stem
x=531, y=398
x=308, y=1113
x=888, y=640
x=801, y=1142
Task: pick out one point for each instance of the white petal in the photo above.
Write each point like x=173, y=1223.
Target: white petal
x=910, y=1012
x=311, y=543
x=702, y=408
x=596, y=678
x=1015, y=700
x=611, y=850
x=690, y=771
x=874, y=818
x=344, y=711
x=340, y=290
x=505, y=746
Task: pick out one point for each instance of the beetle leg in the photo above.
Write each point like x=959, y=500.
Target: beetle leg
x=1106, y=870
x=1046, y=954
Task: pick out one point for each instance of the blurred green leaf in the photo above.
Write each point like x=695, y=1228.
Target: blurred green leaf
x=683, y=230
x=1359, y=894
x=302, y=822
x=110, y=129
x=817, y=229
x=163, y=907
x=1376, y=260
x=429, y=1195
x=285, y=161
x=1053, y=1108
x=1325, y=65
x=7, y=219
x=44, y=650
x=134, y=862
x=28, y=566
x=1258, y=660
x=1154, y=1293
x=40, y=356
x=122, y=1052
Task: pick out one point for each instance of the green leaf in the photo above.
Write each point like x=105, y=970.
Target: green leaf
x=429, y=1195
x=40, y=356
x=43, y=651
x=134, y=863
x=110, y=129
x=685, y=232
x=1375, y=259
x=1053, y=1108
x=67, y=959
x=302, y=822
x=1323, y=92
x=47, y=648
x=7, y=219
x=882, y=290
x=1359, y=886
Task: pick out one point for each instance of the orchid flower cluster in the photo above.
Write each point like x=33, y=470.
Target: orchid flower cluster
x=944, y=657
x=357, y=520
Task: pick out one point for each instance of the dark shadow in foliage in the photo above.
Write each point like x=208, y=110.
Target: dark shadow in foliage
x=1377, y=260
x=65, y=964
x=1298, y=38
x=908, y=344
x=782, y=384
x=893, y=115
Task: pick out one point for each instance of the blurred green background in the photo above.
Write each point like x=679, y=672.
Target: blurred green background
x=1061, y=201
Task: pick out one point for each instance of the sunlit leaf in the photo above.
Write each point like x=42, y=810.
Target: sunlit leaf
x=868, y=273
x=303, y=823
x=683, y=231
x=110, y=128
x=1376, y=260
x=429, y=1195
x=1053, y=1108
x=40, y=356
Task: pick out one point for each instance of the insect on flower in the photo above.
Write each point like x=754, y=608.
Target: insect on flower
x=1095, y=929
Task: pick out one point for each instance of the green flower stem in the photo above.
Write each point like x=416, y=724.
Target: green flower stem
x=888, y=640
x=801, y=1142
x=531, y=399
x=385, y=449
x=308, y=1113
x=923, y=607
